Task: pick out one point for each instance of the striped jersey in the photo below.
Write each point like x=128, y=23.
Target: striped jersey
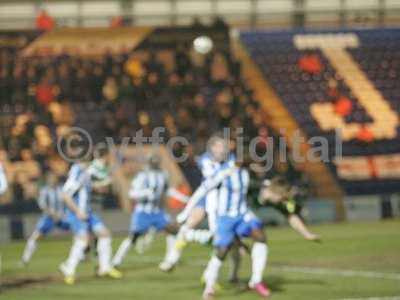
x=209, y=168
x=50, y=199
x=148, y=188
x=226, y=197
x=78, y=186
x=232, y=192
x=3, y=181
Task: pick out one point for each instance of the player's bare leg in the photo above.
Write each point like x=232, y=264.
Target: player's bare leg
x=235, y=260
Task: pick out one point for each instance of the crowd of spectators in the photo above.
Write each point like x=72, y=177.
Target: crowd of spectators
x=115, y=95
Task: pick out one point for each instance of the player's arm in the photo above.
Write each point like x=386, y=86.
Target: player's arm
x=173, y=192
x=3, y=181
x=202, y=190
x=294, y=219
x=42, y=202
x=69, y=202
x=298, y=225
x=291, y=209
x=71, y=186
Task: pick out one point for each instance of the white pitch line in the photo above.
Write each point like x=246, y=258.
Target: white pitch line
x=374, y=298
x=343, y=273
x=304, y=270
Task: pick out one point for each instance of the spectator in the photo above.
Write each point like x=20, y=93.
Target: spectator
x=135, y=68
x=44, y=92
x=196, y=24
x=219, y=23
x=61, y=113
x=182, y=61
x=126, y=89
x=311, y=63
x=110, y=90
x=343, y=106
x=117, y=22
x=44, y=21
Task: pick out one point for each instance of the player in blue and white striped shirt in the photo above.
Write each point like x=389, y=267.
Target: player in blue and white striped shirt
x=209, y=163
x=148, y=189
x=3, y=181
x=52, y=206
x=77, y=192
x=215, y=160
x=234, y=220
x=210, y=166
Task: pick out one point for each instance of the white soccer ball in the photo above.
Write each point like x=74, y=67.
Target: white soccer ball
x=203, y=44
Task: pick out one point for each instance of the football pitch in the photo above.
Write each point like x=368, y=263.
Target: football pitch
x=354, y=261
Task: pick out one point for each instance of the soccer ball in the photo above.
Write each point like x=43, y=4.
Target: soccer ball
x=203, y=44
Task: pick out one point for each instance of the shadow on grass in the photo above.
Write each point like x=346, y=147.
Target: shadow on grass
x=275, y=283
x=18, y=283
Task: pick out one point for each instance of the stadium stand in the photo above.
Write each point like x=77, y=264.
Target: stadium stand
x=340, y=79
x=117, y=92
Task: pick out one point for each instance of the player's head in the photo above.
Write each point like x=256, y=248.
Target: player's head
x=218, y=147
x=101, y=152
x=276, y=189
x=154, y=161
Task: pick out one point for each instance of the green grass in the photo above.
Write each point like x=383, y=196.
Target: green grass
x=363, y=247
